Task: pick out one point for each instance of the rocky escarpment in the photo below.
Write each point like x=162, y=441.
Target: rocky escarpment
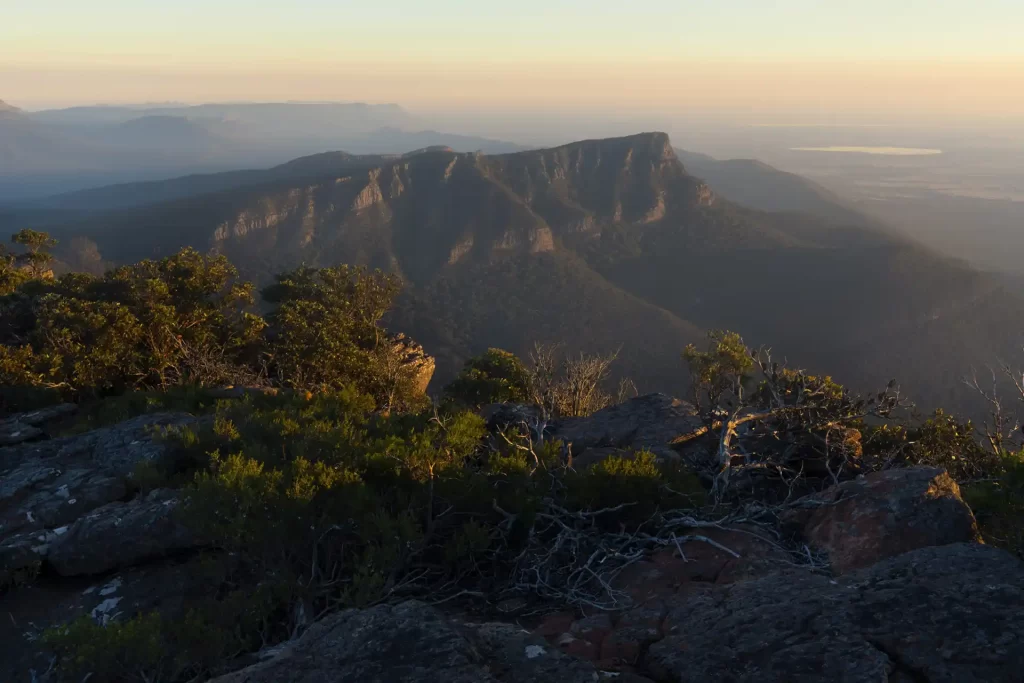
x=895, y=587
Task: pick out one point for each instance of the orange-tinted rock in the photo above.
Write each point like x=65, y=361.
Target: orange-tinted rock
x=625, y=645
x=555, y=624
x=645, y=581
x=578, y=647
x=649, y=615
x=884, y=514
x=666, y=573
x=593, y=628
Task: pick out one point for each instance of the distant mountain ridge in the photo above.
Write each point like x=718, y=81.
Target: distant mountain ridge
x=53, y=151
x=757, y=185
x=600, y=244
x=8, y=109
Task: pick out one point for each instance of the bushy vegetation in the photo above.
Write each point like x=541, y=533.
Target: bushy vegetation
x=188, y=319
x=338, y=484
x=497, y=376
x=560, y=385
x=799, y=431
x=319, y=503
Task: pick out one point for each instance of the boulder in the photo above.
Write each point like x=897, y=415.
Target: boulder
x=883, y=514
x=414, y=643
x=21, y=557
x=648, y=422
x=949, y=613
x=121, y=535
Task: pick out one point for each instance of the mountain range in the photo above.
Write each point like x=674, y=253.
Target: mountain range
x=601, y=245
x=52, y=151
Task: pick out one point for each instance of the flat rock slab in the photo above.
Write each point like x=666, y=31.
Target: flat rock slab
x=414, y=643
x=27, y=426
x=121, y=535
x=943, y=614
x=118, y=448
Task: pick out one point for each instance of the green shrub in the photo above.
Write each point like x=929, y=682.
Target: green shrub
x=132, y=650
x=638, y=482
x=496, y=376
x=998, y=503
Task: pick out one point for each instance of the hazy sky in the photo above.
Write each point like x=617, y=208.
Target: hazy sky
x=758, y=59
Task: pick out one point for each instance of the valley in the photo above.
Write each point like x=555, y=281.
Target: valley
x=602, y=245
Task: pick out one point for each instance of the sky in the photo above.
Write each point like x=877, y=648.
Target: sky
x=760, y=60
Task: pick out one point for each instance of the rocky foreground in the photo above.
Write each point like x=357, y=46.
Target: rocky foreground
x=896, y=587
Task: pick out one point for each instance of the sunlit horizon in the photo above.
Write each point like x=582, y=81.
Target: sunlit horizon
x=749, y=61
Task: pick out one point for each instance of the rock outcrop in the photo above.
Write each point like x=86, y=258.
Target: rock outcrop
x=647, y=422
x=28, y=426
x=67, y=496
x=414, y=361
x=415, y=643
x=31, y=609
x=882, y=514
x=121, y=535
x=909, y=595
x=951, y=613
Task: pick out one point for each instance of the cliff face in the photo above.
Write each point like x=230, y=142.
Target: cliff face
x=436, y=208
x=636, y=179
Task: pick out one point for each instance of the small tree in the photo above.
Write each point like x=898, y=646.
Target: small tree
x=719, y=371
x=797, y=428
x=571, y=387
x=36, y=258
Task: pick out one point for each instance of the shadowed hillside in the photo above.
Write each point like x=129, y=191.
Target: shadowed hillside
x=600, y=244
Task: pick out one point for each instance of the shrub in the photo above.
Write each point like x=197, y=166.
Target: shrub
x=186, y=319
x=153, y=324
x=998, y=504
x=496, y=376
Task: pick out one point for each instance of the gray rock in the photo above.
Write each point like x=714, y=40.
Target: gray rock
x=15, y=433
x=51, y=498
x=50, y=484
x=647, y=422
x=118, y=448
x=27, y=426
x=883, y=514
x=414, y=643
x=121, y=535
x=516, y=656
x=953, y=613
